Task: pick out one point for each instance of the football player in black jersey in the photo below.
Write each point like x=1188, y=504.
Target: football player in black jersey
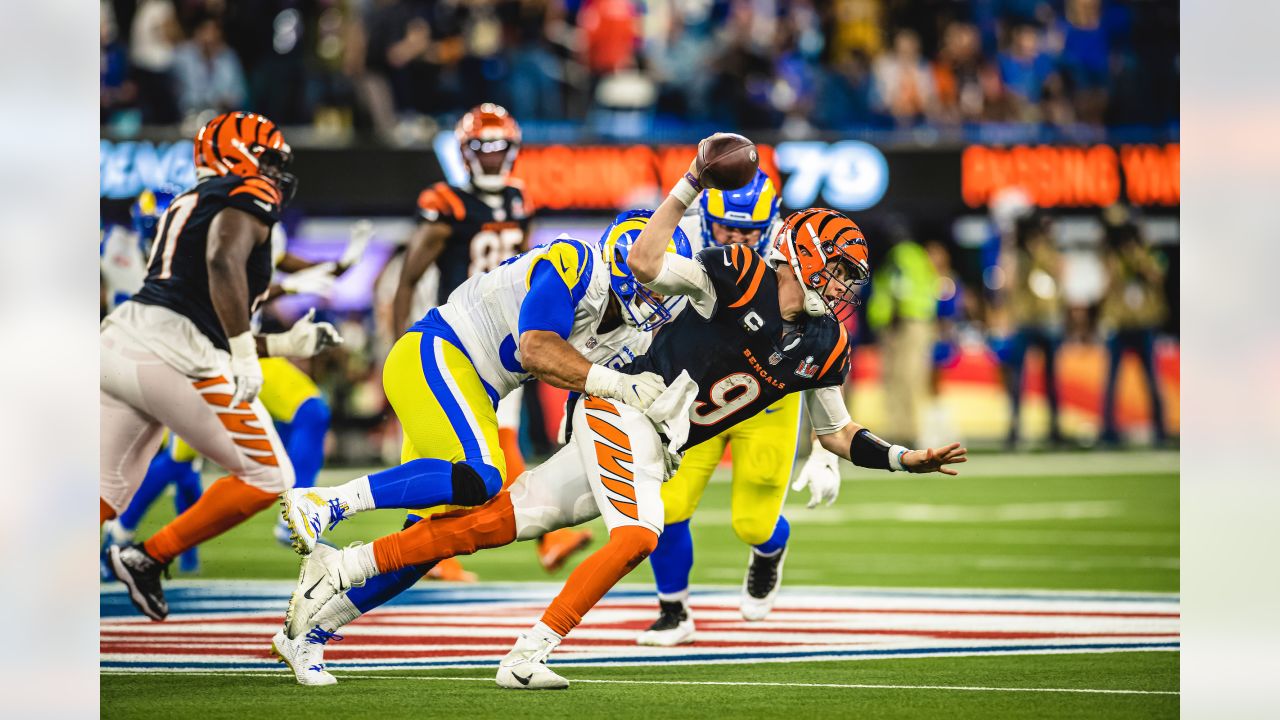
x=466, y=230
x=180, y=353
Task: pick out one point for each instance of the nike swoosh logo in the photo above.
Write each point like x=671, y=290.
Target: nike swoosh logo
x=521, y=680
x=307, y=594
x=264, y=206
x=770, y=411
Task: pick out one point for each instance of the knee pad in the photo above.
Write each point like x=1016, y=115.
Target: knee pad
x=633, y=542
x=474, y=484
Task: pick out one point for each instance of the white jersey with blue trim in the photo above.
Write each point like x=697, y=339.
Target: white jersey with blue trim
x=484, y=312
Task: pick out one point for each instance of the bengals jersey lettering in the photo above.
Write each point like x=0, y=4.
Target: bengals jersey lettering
x=177, y=272
x=487, y=229
x=744, y=357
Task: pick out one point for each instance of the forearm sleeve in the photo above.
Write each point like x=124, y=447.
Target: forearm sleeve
x=826, y=408
x=685, y=276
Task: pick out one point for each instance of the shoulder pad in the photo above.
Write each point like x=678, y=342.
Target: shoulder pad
x=836, y=364
x=736, y=271
x=255, y=195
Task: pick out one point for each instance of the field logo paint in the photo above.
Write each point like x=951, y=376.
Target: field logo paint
x=228, y=626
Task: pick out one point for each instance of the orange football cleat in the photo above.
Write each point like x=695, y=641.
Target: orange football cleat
x=556, y=547
x=451, y=570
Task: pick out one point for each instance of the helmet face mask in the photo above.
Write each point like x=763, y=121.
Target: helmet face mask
x=274, y=164
x=489, y=139
x=642, y=308
x=752, y=207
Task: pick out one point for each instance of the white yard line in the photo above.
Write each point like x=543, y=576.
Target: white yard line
x=841, y=686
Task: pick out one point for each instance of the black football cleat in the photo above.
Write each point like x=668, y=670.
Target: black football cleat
x=141, y=574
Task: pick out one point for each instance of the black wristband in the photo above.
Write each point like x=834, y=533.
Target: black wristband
x=868, y=451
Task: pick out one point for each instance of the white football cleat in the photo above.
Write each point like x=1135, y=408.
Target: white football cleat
x=308, y=515
x=322, y=576
x=305, y=656
x=525, y=667
x=674, y=626
x=760, y=586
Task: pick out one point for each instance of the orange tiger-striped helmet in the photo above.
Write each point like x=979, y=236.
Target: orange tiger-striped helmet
x=246, y=144
x=828, y=254
x=489, y=139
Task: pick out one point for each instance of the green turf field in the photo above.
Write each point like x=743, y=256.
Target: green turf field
x=1141, y=685
x=1086, y=521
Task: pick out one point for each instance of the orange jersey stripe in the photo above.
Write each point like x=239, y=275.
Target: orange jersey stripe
x=623, y=489
x=210, y=382
x=752, y=288
x=261, y=194
x=838, y=351
x=597, y=403
x=746, y=265
x=239, y=423
x=610, y=460
x=219, y=399
x=609, y=432
x=626, y=508
x=254, y=443
x=455, y=202
x=264, y=184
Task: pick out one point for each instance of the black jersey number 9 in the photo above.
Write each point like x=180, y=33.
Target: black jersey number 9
x=727, y=396
x=489, y=248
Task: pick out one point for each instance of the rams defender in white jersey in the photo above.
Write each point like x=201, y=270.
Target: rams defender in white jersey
x=558, y=312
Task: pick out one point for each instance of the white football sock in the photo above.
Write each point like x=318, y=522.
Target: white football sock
x=359, y=562
x=337, y=612
x=682, y=597
x=542, y=632
x=355, y=494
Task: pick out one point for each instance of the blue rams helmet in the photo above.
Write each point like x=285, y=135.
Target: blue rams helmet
x=643, y=309
x=146, y=212
x=753, y=206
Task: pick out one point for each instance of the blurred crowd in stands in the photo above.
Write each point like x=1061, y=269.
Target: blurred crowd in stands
x=387, y=67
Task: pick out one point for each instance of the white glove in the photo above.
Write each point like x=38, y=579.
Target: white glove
x=315, y=280
x=638, y=391
x=246, y=373
x=361, y=233
x=304, y=339
x=821, y=473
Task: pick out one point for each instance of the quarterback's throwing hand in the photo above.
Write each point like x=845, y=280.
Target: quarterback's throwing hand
x=821, y=474
x=935, y=459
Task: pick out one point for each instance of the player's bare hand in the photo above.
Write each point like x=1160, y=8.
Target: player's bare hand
x=935, y=459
